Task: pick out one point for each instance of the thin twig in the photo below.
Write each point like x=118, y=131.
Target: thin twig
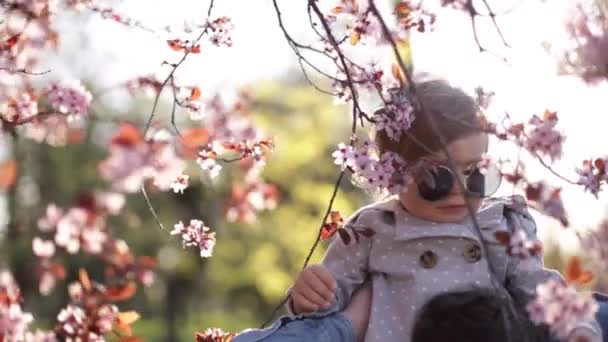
x=160, y=224
x=175, y=66
x=23, y=71
x=314, y=246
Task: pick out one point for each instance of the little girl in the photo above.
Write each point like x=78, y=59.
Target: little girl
x=425, y=243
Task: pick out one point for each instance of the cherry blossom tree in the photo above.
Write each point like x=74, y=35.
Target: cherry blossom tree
x=156, y=157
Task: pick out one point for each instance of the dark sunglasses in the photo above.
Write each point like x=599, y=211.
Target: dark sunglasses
x=436, y=182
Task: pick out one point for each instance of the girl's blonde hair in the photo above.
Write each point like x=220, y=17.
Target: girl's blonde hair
x=456, y=115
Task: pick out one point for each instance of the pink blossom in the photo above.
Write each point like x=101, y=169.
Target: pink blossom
x=386, y=173
x=397, y=115
x=69, y=229
x=112, y=202
x=132, y=160
x=8, y=285
x=593, y=174
x=588, y=30
x=72, y=319
x=207, y=160
x=75, y=291
x=55, y=130
x=220, y=31
x=19, y=109
x=42, y=248
x=561, y=307
x=543, y=138
x=47, y=282
x=548, y=200
x=105, y=318
x=246, y=201
x=180, y=183
x=521, y=246
x=14, y=323
x=93, y=240
x=34, y=7
x=197, y=235
x=69, y=98
x=53, y=215
x=150, y=85
x=40, y=336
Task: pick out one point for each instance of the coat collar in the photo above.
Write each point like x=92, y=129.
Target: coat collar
x=409, y=227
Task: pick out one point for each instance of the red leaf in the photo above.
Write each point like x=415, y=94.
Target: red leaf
x=328, y=230
x=503, y=237
x=192, y=139
x=600, y=165
x=131, y=339
x=195, y=94
x=549, y=115
x=58, y=271
x=128, y=135
x=196, y=49
x=120, y=293
x=8, y=174
x=533, y=192
x=344, y=235
x=175, y=44
x=147, y=261
x=575, y=273
x=337, y=10
x=12, y=41
x=403, y=9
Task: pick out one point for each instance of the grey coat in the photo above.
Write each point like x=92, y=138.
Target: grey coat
x=410, y=260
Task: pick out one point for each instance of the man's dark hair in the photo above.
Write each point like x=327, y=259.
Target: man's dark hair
x=479, y=315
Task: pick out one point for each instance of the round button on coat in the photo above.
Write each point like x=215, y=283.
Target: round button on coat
x=472, y=253
x=428, y=259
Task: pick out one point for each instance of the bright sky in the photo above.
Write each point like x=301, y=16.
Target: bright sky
x=527, y=86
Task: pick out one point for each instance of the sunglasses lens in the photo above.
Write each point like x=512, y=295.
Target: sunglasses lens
x=436, y=183
x=484, y=184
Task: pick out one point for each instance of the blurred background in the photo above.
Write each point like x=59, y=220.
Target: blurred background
x=254, y=263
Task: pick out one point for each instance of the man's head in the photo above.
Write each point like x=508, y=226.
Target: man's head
x=478, y=315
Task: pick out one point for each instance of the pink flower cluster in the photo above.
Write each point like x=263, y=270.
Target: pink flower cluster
x=520, y=245
x=561, y=307
x=74, y=323
x=207, y=160
x=542, y=138
x=14, y=323
x=196, y=234
x=593, y=174
x=376, y=174
x=249, y=199
x=133, y=160
x=397, y=115
x=588, y=29
x=75, y=229
x=547, y=200
x=69, y=98
x=220, y=31
x=18, y=109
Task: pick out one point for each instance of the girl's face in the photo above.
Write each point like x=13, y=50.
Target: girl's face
x=466, y=153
